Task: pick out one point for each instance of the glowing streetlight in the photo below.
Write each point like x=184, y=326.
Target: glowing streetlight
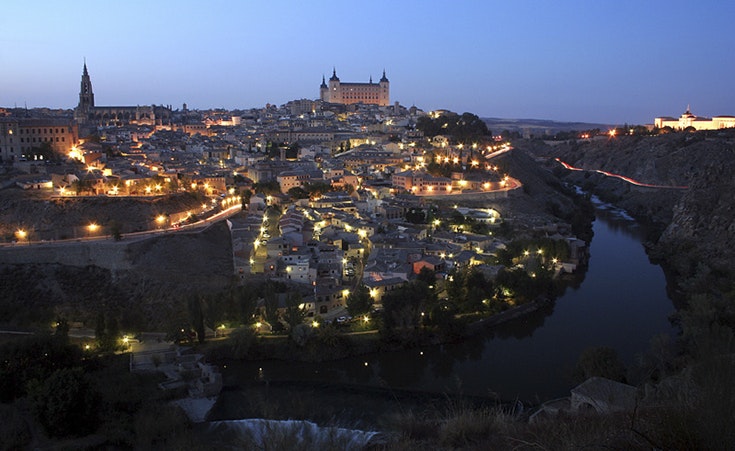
x=160, y=220
x=22, y=234
x=315, y=324
x=92, y=228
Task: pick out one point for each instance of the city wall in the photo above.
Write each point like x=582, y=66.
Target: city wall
x=476, y=195
x=103, y=253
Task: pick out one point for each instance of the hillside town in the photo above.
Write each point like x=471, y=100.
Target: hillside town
x=335, y=194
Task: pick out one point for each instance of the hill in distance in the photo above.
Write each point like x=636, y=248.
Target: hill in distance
x=536, y=127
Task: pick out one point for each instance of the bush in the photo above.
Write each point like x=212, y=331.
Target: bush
x=157, y=425
x=14, y=431
x=600, y=361
x=66, y=403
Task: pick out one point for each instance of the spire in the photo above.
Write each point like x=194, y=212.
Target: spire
x=324, y=84
x=384, y=77
x=334, y=75
x=371, y=79
x=85, y=67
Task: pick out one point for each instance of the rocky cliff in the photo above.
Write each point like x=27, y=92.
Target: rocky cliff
x=144, y=283
x=696, y=224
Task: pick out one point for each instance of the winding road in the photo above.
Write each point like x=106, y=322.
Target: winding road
x=618, y=176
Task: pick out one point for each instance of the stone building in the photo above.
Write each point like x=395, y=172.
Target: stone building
x=349, y=93
x=688, y=119
x=22, y=139
x=87, y=114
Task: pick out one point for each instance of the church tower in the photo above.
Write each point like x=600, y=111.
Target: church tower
x=86, y=97
x=324, y=91
x=384, y=94
x=335, y=93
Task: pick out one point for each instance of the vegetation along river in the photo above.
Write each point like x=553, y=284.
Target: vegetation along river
x=621, y=302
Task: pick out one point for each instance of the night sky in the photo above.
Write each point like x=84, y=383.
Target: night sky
x=587, y=60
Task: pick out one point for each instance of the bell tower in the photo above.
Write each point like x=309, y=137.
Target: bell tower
x=86, y=97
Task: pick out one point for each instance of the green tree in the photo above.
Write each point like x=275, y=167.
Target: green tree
x=196, y=316
x=359, y=301
x=270, y=187
x=295, y=312
x=298, y=192
x=416, y=215
x=427, y=276
x=66, y=403
x=600, y=361
x=116, y=230
x=402, y=308
x=107, y=333
x=241, y=340
x=270, y=298
x=62, y=331
x=99, y=330
x=32, y=358
x=247, y=303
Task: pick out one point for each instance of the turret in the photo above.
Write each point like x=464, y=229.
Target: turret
x=383, y=79
x=324, y=91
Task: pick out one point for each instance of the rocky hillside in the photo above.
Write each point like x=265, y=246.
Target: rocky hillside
x=696, y=224
x=48, y=218
x=150, y=296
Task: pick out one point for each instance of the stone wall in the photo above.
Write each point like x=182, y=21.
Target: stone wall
x=103, y=253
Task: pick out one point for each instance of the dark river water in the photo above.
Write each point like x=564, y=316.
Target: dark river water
x=621, y=302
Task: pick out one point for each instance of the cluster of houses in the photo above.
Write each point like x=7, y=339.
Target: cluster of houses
x=371, y=157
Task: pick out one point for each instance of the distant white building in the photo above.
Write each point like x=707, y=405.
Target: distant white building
x=699, y=123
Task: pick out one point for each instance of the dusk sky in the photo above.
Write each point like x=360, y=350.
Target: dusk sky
x=587, y=60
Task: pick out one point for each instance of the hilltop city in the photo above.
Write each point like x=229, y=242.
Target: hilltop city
x=333, y=194
x=148, y=247
x=347, y=171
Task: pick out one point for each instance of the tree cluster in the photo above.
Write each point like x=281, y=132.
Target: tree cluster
x=466, y=129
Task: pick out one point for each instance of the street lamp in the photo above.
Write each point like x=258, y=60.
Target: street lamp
x=160, y=220
x=22, y=234
x=92, y=228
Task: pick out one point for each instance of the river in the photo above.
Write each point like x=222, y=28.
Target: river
x=621, y=303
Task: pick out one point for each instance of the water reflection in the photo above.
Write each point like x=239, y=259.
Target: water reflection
x=619, y=302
